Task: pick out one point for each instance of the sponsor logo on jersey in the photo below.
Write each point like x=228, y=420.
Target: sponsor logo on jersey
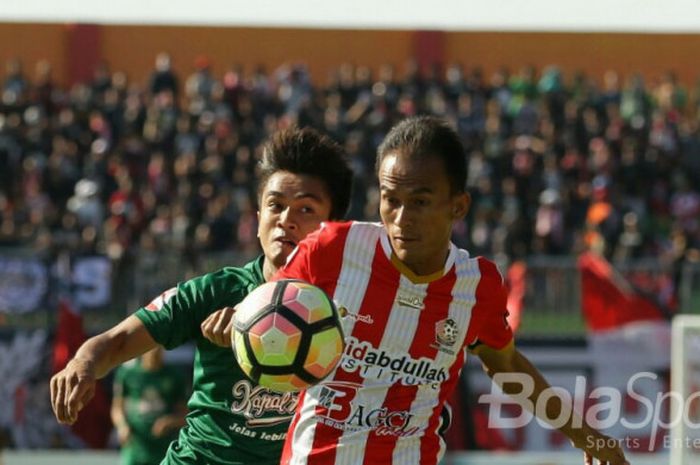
x=157, y=303
x=338, y=408
x=347, y=314
x=410, y=301
x=390, y=366
x=256, y=402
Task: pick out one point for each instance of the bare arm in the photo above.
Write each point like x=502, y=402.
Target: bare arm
x=510, y=361
x=73, y=387
x=108, y=350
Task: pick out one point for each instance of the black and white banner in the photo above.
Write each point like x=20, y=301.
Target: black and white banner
x=23, y=284
x=91, y=281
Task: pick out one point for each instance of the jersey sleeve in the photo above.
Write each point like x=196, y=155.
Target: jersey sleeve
x=489, y=325
x=175, y=316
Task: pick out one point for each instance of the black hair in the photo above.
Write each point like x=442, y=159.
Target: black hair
x=308, y=152
x=424, y=136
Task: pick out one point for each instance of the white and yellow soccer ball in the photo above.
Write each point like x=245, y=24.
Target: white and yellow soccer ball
x=287, y=335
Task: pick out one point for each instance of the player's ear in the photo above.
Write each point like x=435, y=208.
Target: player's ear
x=257, y=214
x=460, y=205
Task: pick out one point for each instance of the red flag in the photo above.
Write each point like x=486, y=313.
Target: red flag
x=94, y=424
x=516, y=284
x=608, y=301
x=69, y=335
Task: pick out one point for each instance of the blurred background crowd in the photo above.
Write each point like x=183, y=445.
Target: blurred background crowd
x=557, y=163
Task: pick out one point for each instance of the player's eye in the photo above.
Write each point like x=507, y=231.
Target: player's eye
x=421, y=202
x=275, y=206
x=308, y=210
x=392, y=201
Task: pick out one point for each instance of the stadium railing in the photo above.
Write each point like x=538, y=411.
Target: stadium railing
x=551, y=304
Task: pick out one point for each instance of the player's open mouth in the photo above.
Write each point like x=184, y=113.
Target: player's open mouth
x=286, y=241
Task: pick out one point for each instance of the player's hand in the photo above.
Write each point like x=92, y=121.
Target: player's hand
x=71, y=389
x=218, y=326
x=599, y=449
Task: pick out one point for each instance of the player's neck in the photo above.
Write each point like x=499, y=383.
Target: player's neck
x=268, y=269
x=421, y=272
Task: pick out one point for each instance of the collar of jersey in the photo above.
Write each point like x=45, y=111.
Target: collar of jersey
x=404, y=270
x=256, y=267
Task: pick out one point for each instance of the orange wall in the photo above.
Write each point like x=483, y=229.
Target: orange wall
x=595, y=53
x=133, y=48
x=32, y=43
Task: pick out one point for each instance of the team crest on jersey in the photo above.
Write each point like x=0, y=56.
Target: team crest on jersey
x=157, y=303
x=446, y=333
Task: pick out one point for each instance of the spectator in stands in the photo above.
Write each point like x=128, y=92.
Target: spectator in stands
x=556, y=158
x=163, y=77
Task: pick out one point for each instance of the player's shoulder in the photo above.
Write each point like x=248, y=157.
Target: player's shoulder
x=488, y=268
x=490, y=277
x=356, y=229
x=229, y=278
x=483, y=267
x=339, y=231
x=333, y=229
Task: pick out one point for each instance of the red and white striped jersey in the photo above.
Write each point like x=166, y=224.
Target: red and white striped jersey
x=406, y=343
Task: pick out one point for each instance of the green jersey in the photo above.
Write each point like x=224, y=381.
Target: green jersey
x=231, y=420
x=147, y=395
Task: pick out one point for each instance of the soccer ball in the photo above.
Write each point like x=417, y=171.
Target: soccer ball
x=287, y=335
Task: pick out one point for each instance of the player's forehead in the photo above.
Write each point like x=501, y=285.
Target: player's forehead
x=288, y=185
x=416, y=174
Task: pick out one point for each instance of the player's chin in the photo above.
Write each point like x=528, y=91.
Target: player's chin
x=277, y=254
x=405, y=254
x=283, y=250
x=405, y=247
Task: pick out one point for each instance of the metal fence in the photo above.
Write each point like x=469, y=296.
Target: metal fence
x=551, y=305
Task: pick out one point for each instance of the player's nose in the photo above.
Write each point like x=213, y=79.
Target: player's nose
x=403, y=218
x=286, y=220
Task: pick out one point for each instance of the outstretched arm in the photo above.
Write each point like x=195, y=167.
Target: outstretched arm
x=510, y=361
x=73, y=387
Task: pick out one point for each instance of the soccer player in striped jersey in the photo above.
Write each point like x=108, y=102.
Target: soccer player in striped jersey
x=416, y=305
x=304, y=179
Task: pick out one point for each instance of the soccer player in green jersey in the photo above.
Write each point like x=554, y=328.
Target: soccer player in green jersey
x=148, y=407
x=304, y=180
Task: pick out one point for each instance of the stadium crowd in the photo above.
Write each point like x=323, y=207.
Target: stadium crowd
x=557, y=163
